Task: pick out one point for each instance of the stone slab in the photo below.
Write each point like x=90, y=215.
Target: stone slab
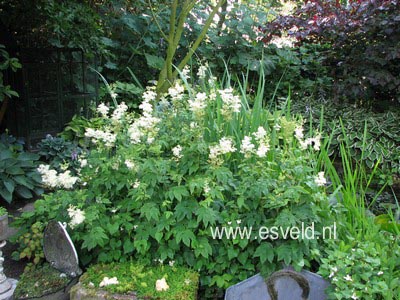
x=255, y=288
x=78, y=292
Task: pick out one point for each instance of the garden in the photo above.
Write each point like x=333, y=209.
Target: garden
x=183, y=147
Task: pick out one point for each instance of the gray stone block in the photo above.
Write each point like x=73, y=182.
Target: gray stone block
x=78, y=292
x=255, y=288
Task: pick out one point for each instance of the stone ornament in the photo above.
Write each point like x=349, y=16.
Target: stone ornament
x=59, y=250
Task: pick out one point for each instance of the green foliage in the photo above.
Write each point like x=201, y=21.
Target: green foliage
x=11, y=142
x=364, y=265
x=363, y=270
x=74, y=131
x=18, y=172
x=236, y=45
x=134, y=277
x=60, y=154
x=7, y=62
x=3, y=211
x=146, y=198
x=49, y=23
x=382, y=138
x=363, y=73
x=30, y=245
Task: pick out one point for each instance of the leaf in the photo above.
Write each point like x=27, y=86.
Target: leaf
x=150, y=211
x=112, y=228
x=232, y=253
x=26, y=156
x=23, y=192
x=265, y=252
x=15, y=171
x=96, y=237
x=22, y=181
x=284, y=252
x=155, y=62
x=9, y=184
x=178, y=192
x=206, y=215
x=186, y=236
x=158, y=236
x=202, y=248
x=110, y=65
x=131, y=22
x=5, y=154
x=128, y=246
x=6, y=195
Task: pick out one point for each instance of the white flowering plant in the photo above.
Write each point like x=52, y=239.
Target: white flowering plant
x=196, y=158
x=362, y=270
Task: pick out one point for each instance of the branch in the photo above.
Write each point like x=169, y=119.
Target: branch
x=158, y=24
x=200, y=37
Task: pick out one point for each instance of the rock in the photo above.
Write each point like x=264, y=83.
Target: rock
x=78, y=292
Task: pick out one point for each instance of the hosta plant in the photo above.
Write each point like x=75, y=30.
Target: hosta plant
x=18, y=174
x=60, y=154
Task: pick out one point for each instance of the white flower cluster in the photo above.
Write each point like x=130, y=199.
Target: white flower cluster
x=224, y=146
x=232, y=103
x=136, y=184
x=83, y=162
x=263, y=142
x=97, y=135
x=247, y=147
x=77, y=216
x=315, y=142
x=103, y=110
x=52, y=179
x=108, y=281
x=145, y=125
x=198, y=104
x=129, y=164
x=202, y=72
x=176, y=91
x=177, y=152
x=320, y=179
x=119, y=112
x=206, y=187
x=186, y=72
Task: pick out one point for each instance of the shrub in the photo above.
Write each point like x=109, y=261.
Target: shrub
x=154, y=185
x=356, y=32
x=237, y=45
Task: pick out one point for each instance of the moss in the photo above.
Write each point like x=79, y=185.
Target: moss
x=133, y=277
x=39, y=281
